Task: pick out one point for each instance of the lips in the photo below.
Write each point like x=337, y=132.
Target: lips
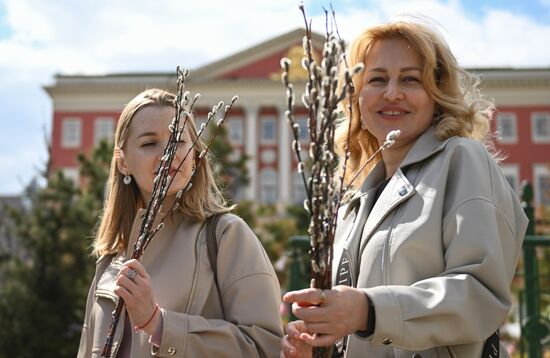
x=171, y=172
x=392, y=112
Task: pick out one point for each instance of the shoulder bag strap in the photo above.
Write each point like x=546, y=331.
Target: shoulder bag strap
x=212, y=246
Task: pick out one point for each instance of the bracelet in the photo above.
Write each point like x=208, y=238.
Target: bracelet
x=138, y=328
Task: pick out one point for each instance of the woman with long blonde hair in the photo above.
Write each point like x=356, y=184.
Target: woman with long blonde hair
x=176, y=303
x=425, y=252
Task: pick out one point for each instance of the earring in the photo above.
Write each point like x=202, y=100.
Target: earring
x=363, y=125
x=127, y=179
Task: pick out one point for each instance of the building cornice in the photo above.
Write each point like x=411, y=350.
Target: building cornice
x=508, y=77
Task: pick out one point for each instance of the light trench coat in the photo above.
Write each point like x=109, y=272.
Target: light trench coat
x=245, y=322
x=436, y=253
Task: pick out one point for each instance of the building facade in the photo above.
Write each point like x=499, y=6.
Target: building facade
x=86, y=108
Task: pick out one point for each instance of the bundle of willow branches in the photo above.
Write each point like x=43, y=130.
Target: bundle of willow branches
x=184, y=106
x=322, y=98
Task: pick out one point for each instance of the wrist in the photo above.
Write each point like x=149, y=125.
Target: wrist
x=364, y=317
x=153, y=326
x=150, y=325
x=370, y=322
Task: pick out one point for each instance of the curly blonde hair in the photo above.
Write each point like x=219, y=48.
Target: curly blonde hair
x=460, y=109
x=124, y=201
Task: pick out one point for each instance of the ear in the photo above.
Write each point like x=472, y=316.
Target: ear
x=120, y=161
x=121, y=165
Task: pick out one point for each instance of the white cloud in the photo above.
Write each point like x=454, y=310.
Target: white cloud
x=104, y=36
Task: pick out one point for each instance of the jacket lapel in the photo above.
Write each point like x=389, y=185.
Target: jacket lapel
x=398, y=190
x=366, y=200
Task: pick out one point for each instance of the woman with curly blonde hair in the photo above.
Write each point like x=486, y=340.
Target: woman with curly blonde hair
x=425, y=251
x=180, y=301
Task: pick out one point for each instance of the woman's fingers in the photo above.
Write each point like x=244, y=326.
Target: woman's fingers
x=287, y=348
x=318, y=340
x=321, y=328
x=307, y=297
x=136, y=266
x=334, y=313
x=292, y=345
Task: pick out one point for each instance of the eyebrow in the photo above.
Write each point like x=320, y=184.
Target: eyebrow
x=404, y=69
x=147, y=134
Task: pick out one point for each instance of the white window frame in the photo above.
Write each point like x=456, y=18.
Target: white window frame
x=271, y=120
x=268, y=186
x=512, y=117
x=104, y=127
x=71, y=132
x=236, y=130
x=72, y=174
x=512, y=171
x=535, y=136
x=541, y=173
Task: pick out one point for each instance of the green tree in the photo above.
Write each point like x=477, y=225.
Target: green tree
x=229, y=166
x=43, y=293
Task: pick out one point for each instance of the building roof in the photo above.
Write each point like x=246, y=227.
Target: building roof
x=257, y=69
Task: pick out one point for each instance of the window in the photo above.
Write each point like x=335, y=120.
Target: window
x=302, y=123
x=507, y=128
x=511, y=172
x=541, y=176
x=103, y=129
x=71, y=133
x=268, y=129
x=235, y=126
x=268, y=186
x=72, y=174
x=540, y=127
x=299, y=189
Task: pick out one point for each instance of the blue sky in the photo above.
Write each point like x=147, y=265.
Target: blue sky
x=41, y=38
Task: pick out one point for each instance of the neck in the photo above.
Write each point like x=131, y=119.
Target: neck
x=393, y=157
x=166, y=203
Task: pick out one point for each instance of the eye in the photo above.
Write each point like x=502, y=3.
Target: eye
x=148, y=144
x=411, y=79
x=375, y=80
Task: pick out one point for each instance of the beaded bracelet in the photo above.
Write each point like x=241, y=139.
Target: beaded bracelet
x=138, y=328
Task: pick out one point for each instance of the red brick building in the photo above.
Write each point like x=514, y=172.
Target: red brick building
x=86, y=109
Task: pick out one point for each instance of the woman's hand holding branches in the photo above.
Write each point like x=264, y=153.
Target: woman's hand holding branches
x=327, y=315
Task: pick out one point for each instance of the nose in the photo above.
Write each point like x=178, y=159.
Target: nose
x=393, y=92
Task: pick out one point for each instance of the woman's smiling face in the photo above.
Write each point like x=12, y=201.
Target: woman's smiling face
x=393, y=95
x=147, y=138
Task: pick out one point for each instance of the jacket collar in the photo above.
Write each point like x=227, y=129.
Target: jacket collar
x=425, y=146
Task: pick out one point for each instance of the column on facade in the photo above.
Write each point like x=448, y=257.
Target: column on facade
x=284, y=157
x=251, y=149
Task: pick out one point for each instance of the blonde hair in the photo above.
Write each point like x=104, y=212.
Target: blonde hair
x=124, y=201
x=460, y=109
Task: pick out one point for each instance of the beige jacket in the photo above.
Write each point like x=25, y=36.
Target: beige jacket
x=437, y=252
x=246, y=323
